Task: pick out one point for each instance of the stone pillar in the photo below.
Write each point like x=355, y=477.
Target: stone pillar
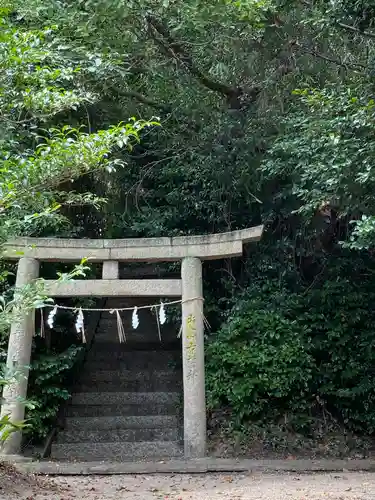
x=110, y=270
x=19, y=355
x=193, y=358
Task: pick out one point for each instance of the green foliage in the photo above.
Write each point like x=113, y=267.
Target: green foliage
x=259, y=364
x=296, y=354
x=326, y=155
x=40, y=82
x=41, y=152
x=7, y=426
x=49, y=377
x=340, y=316
x=266, y=111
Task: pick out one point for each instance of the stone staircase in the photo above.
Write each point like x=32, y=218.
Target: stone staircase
x=127, y=403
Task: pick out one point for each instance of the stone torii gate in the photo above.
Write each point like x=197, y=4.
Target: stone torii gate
x=190, y=250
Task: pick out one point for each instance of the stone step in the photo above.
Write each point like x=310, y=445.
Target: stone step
x=126, y=410
x=124, y=385
x=111, y=335
x=118, y=435
x=133, y=361
x=94, y=374
x=109, y=398
x=108, y=350
x=137, y=348
x=118, y=452
x=134, y=365
x=121, y=422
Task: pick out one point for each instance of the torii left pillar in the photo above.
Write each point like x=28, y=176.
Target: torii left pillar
x=19, y=356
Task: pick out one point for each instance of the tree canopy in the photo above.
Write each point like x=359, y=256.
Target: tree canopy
x=266, y=115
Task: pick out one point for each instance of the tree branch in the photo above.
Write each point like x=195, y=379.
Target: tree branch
x=163, y=37
x=314, y=53
x=356, y=30
x=144, y=100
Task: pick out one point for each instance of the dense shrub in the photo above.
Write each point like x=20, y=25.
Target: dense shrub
x=259, y=363
x=48, y=389
x=306, y=354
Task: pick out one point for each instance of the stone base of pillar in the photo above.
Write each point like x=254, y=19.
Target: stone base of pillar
x=12, y=445
x=14, y=459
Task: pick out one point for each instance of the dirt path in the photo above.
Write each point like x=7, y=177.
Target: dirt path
x=343, y=486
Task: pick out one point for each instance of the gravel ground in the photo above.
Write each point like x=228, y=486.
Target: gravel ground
x=342, y=486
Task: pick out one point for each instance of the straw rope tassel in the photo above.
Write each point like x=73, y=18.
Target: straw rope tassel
x=120, y=327
x=83, y=335
x=42, y=332
x=158, y=322
x=206, y=323
x=80, y=325
x=83, y=328
x=179, y=332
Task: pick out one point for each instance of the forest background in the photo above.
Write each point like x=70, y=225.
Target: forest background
x=162, y=118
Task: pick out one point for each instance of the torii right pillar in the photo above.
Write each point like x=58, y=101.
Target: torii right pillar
x=193, y=358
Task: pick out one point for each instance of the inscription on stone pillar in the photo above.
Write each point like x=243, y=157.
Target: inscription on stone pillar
x=193, y=359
